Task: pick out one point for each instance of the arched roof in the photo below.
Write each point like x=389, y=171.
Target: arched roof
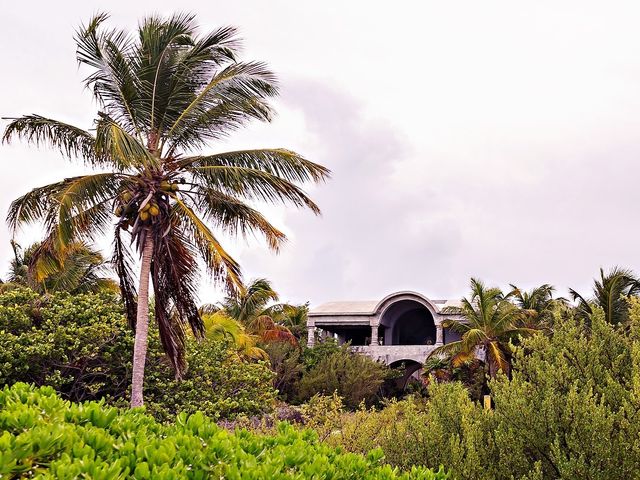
x=389, y=300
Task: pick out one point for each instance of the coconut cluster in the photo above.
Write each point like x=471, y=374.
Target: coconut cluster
x=145, y=202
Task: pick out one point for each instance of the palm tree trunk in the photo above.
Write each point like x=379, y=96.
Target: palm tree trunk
x=142, y=326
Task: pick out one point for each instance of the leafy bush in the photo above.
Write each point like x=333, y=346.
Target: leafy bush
x=571, y=408
x=448, y=430
x=82, y=346
x=217, y=383
x=301, y=373
x=356, y=378
x=46, y=437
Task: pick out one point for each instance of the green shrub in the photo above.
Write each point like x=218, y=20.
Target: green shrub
x=46, y=437
x=571, y=408
x=301, y=373
x=217, y=383
x=356, y=378
x=82, y=346
x=448, y=429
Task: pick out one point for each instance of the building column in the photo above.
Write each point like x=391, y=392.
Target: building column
x=374, y=334
x=439, y=334
x=311, y=334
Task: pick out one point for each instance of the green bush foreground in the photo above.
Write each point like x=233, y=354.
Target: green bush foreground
x=44, y=436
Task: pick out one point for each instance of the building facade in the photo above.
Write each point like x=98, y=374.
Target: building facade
x=400, y=328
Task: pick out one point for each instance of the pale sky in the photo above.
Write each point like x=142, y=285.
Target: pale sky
x=494, y=139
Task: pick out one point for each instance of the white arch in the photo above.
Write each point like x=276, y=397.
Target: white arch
x=384, y=304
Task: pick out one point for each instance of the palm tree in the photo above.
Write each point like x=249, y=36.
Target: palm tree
x=536, y=305
x=163, y=94
x=81, y=269
x=294, y=317
x=251, y=307
x=487, y=322
x=609, y=293
x=220, y=326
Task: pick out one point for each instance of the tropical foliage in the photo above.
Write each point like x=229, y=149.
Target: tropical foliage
x=80, y=269
x=355, y=378
x=81, y=345
x=487, y=324
x=220, y=326
x=45, y=437
x=163, y=94
x=252, y=306
x=569, y=410
x=610, y=293
x=536, y=306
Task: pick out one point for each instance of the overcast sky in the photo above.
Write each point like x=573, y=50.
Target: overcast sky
x=494, y=139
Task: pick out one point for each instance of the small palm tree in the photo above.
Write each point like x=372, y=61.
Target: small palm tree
x=251, y=307
x=163, y=94
x=81, y=269
x=294, y=317
x=487, y=323
x=610, y=293
x=536, y=306
x=220, y=326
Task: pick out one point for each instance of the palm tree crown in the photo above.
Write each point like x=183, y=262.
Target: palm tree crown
x=536, y=305
x=486, y=322
x=163, y=95
x=252, y=306
x=610, y=293
x=80, y=270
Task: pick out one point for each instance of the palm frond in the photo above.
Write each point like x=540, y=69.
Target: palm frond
x=124, y=150
x=280, y=162
x=114, y=84
x=219, y=263
x=174, y=273
x=252, y=184
x=236, y=86
x=72, y=142
x=122, y=264
x=234, y=216
x=77, y=207
x=496, y=356
x=250, y=301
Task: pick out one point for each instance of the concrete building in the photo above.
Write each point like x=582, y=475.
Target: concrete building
x=402, y=328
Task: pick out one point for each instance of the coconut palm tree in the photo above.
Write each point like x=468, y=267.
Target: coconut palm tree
x=251, y=306
x=487, y=323
x=164, y=94
x=536, y=305
x=81, y=269
x=610, y=293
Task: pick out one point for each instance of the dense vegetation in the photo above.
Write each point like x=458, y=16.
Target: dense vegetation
x=45, y=437
x=569, y=410
x=81, y=346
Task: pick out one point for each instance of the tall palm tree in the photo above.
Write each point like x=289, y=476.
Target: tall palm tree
x=163, y=94
x=486, y=322
x=81, y=269
x=610, y=293
x=536, y=305
x=251, y=306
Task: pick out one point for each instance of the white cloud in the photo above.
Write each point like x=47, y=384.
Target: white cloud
x=495, y=139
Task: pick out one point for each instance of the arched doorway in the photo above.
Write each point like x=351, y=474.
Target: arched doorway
x=410, y=370
x=408, y=322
